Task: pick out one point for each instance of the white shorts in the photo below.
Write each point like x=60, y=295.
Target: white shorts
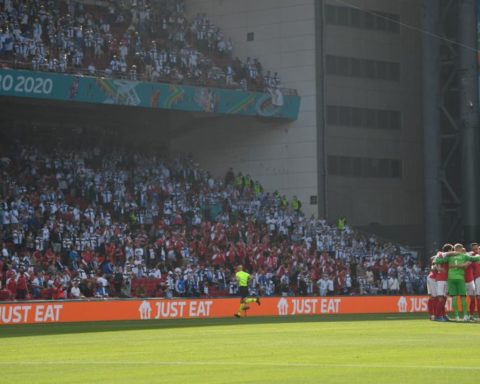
x=431, y=287
x=470, y=288
x=442, y=288
x=477, y=286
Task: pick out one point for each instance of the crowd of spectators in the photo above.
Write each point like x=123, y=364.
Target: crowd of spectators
x=98, y=222
x=151, y=40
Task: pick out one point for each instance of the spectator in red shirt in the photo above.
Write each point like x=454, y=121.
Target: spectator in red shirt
x=12, y=286
x=22, y=286
x=57, y=290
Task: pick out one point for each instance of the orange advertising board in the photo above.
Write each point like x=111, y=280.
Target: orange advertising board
x=149, y=309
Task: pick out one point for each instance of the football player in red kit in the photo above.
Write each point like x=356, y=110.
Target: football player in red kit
x=432, y=290
x=442, y=285
x=476, y=275
x=470, y=281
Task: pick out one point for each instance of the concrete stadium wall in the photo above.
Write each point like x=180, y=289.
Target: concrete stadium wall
x=282, y=156
x=390, y=202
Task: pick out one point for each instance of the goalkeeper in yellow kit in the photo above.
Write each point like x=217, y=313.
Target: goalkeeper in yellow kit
x=242, y=280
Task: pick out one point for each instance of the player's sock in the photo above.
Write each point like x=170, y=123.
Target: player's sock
x=435, y=306
x=240, y=309
x=472, y=306
x=455, y=305
x=440, y=306
x=464, y=306
x=430, y=306
x=444, y=306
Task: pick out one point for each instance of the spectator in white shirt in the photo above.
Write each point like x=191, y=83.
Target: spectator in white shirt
x=75, y=292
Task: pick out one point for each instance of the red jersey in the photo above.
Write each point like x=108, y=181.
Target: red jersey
x=57, y=293
x=231, y=256
x=10, y=273
x=476, y=269
x=469, y=274
x=11, y=285
x=442, y=274
x=473, y=270
x=433, y=274
x=22, y=282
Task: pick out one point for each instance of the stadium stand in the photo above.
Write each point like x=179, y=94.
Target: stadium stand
x=129, y=39
x=93, y=220
x=80, y=220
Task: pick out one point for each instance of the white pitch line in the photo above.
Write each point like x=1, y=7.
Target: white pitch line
x=242, y=364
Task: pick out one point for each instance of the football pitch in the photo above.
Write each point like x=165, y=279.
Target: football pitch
x=329, y=349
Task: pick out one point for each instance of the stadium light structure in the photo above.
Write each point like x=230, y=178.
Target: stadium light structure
x=321, y=110
x=451, y=139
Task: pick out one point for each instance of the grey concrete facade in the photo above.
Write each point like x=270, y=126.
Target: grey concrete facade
x=284, y=156
x=387, y=201
x=281, y=156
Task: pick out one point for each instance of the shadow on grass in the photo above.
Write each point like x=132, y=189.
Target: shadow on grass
x=118, y=326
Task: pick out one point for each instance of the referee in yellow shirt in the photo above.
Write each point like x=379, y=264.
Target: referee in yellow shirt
x=242, y=280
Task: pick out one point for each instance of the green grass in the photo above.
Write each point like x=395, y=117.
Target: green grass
x=334, y=349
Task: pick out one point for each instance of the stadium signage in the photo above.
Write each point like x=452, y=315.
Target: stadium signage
x=20, y=314
x=151, y=309
x=417, y=304
x=97, y=90
x=26, y=84
x=308, y=306
x=171, y=309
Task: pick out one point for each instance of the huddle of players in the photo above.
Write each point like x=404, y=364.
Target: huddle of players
x=456, y=273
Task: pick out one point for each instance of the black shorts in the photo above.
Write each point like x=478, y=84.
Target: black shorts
x=243, y=292
x=21, y=294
